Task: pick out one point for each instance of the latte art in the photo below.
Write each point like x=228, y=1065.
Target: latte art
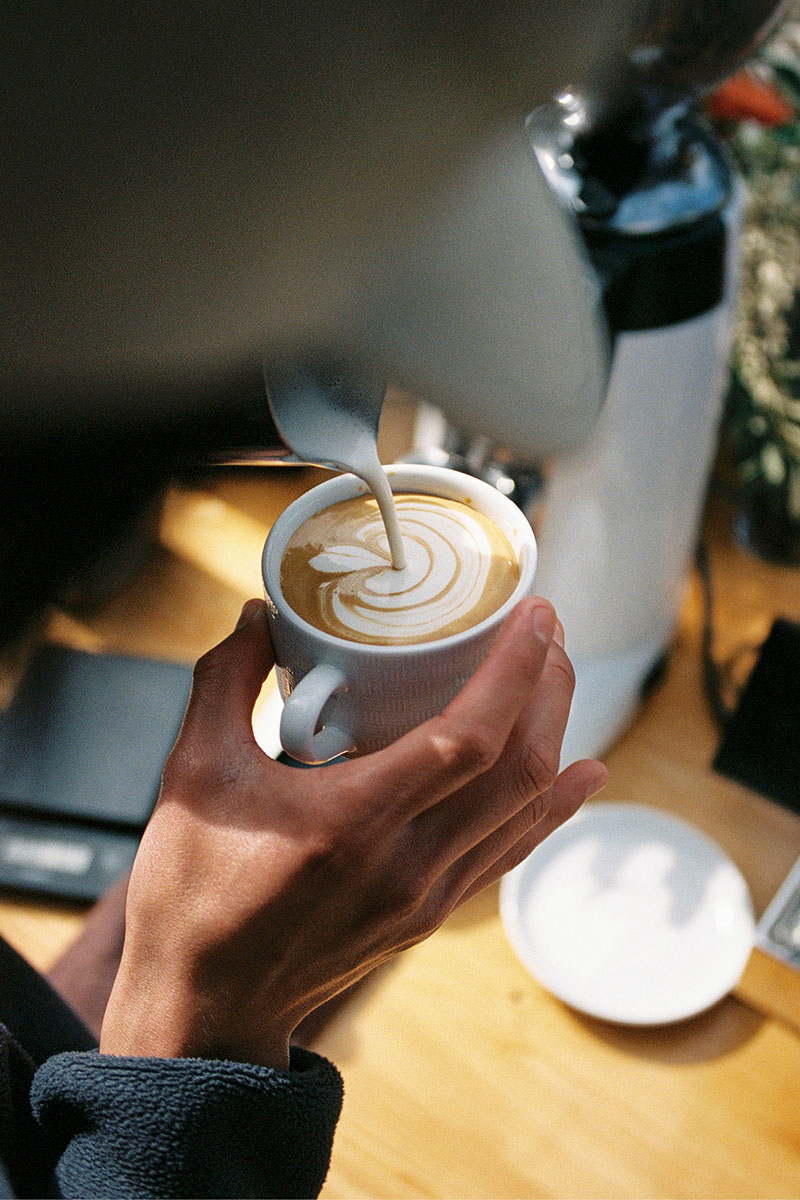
x=337, y=570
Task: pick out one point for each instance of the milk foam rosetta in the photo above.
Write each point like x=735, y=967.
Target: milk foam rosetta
x=337, y=574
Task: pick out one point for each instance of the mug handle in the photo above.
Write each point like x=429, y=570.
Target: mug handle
x=302, y=712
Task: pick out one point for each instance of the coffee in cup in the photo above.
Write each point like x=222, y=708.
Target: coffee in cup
x=346, y=693
x=337, y=571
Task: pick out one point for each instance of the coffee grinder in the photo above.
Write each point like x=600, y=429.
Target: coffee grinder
x=659, y=210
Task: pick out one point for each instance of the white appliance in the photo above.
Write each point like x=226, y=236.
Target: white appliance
x=621, y=514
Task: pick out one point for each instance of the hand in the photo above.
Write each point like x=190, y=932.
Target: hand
x=260, y=890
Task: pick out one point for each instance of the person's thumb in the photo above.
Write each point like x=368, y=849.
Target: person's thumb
x=228, y=679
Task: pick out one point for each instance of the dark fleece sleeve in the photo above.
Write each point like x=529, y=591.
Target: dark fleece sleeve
x=187, y=1127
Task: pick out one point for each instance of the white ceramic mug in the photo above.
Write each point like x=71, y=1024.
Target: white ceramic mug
x=341, y=696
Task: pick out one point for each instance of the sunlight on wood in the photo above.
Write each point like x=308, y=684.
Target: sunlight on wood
x=40, y=941
x=71, y=632
x=215, y=536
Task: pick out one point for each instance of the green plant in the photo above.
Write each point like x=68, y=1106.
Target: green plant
x=761, y=424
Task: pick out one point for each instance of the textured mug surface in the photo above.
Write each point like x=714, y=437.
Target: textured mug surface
x=369, y=695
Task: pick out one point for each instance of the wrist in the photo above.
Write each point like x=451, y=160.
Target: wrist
x=143, y=1022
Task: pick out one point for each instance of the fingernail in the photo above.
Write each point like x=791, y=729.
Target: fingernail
x=544, y=620
x=597, y=784
x=251, y=607
x=558, y=634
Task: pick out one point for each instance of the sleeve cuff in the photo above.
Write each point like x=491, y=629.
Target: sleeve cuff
x=188, y=1127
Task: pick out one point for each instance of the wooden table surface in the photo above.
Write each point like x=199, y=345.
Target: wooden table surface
x=464, y=1077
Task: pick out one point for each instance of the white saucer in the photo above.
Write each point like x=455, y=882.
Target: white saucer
x=631, y=915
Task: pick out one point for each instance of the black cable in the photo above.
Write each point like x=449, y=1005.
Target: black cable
x=712, y=672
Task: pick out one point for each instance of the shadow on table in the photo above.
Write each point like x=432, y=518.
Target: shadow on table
x=720, y=1030
x=478, y=909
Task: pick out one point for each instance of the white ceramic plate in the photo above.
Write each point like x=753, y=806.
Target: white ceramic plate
x=631, y=915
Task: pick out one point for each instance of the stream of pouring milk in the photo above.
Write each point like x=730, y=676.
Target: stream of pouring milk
x=377, y=481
